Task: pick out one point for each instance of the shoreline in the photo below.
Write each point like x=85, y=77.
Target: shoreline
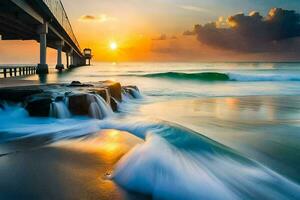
x=16, y=82
x=69, y=169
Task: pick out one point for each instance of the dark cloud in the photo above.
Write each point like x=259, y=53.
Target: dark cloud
x=188, y=33
x=88, y=18
x=253, y=32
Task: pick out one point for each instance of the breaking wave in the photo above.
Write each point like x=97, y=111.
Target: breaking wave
x=173, y=162
x=216, y=76
x=204, y=76
x=177, y=163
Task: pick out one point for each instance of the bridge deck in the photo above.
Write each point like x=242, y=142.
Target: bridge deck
x=20, y=19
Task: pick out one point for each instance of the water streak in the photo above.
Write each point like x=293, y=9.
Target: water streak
x=99, y=108
x=59, y=110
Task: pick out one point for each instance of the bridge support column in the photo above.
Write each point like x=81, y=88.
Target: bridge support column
x=59, y=65
x=71, y=54
x=67, y=59
x=42, y=67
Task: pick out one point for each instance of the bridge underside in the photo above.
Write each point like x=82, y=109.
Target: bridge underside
x=22, y=20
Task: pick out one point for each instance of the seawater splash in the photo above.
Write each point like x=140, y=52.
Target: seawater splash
x=99, y=108
x=136, y=93
x=131, y=93
x=59, y=110
x=16, y=124
x=263, y=77
x=182, y=164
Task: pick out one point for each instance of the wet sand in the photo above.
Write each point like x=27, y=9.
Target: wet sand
x=70, y=169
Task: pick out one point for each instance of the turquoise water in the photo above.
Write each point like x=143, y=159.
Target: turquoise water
x=211, y=130
x=184, y=80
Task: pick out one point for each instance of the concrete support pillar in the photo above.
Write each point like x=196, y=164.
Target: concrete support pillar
x=71, y=58
x=75, y=60
x=67, y=58
x=59, y=65
x=42, y=67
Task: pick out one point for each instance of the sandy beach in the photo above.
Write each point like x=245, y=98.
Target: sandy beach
x=73, y=169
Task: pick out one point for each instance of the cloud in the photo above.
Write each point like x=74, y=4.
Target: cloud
x=189, y=33
x=165, y=37
x=96, y=18
x=193, y=8
x=253, y=32
x=161, y=37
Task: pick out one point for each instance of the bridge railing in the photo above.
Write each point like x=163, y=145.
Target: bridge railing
x=57, y=9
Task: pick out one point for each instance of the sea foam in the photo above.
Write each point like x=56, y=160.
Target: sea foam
x=176, y=163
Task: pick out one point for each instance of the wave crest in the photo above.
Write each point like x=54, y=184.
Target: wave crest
x=218, y=76
x=203, y=76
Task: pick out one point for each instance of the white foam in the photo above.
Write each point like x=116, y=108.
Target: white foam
x=174, y=164
x=263, y=77
x=59, y=110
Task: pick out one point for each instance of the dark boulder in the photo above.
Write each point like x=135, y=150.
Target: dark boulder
x=79, y=104
x=39, y=105
x=59, y=98
x=102, y=92
x=79, y=84
x=18, y=94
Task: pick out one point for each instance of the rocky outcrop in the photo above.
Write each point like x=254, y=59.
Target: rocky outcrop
x=18, y=94
x=39, y=105
x=103, y=92
x=79, y=84
x=79, y=104
x=38, y=100
x=115, y=90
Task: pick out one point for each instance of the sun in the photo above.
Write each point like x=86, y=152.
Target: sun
x=113, y=46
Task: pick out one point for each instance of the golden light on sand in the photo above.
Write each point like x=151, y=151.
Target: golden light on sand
x=113, y=46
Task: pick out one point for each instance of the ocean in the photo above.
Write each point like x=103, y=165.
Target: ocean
x=210, y=130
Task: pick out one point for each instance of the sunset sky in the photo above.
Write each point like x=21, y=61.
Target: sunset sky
x=153, y=31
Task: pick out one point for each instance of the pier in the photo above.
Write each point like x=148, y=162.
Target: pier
x=45, y=21
x=14, y=70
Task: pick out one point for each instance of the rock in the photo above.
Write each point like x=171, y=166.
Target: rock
x=18, y=94
x=59, y=98
x=39, y=105
x=103, y=92
x=131, y=90
x=115, y=90
x=79, y=104
x=113, y=105
x=79, y=84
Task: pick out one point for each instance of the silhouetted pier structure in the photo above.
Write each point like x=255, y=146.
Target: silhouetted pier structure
x=87, y=55
x=14, y=70
x=45, y=21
